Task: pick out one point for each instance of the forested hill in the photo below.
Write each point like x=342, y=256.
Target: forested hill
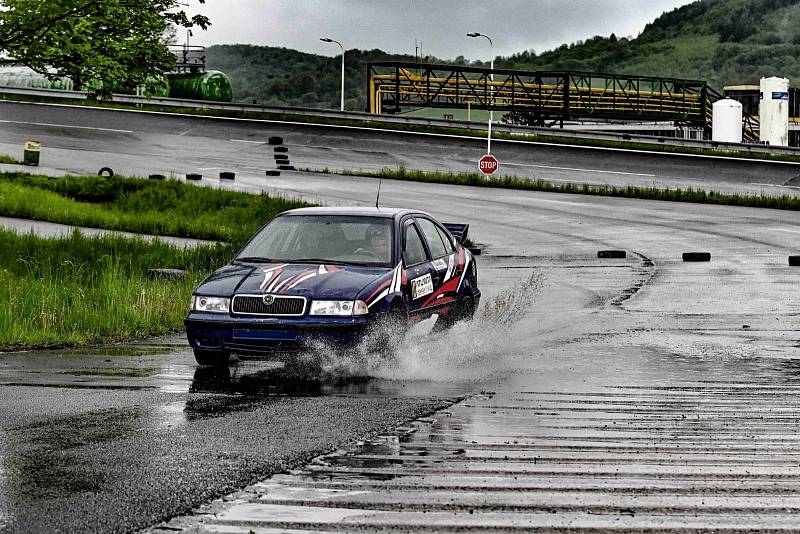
x=722, y=41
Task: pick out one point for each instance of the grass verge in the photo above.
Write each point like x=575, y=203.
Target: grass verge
x=9, y=160
x=700, y=196
x=157, y=207
x=79, y=290
x=334, y=121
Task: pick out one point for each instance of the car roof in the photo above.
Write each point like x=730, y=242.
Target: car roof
x=357, y=211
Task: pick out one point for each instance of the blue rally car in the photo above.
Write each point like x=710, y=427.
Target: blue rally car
x=334, y=275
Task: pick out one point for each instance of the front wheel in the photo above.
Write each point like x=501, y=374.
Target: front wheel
x=391, y=331
x=216, y=358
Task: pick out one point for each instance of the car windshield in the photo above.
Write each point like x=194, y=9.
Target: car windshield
x=323, y=239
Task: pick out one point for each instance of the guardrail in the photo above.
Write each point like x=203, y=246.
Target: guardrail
x=409, y=121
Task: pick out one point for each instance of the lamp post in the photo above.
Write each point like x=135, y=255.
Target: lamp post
x=329, y=40
x=491, y=68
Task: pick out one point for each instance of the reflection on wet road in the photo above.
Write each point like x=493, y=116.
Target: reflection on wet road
x=682, y=457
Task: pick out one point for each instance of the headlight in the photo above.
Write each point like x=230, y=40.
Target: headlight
x=211, y=304
x=338, y=307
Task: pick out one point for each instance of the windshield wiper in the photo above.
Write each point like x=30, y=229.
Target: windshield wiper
x=256, y=259
x=319, y=260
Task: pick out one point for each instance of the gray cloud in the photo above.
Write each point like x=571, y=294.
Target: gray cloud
x=393, y=25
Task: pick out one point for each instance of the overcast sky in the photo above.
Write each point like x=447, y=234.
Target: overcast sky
x=440, y=25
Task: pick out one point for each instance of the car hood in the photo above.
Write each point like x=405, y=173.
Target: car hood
x=320, y=281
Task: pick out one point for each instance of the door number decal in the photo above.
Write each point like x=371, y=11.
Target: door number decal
x=421, y=286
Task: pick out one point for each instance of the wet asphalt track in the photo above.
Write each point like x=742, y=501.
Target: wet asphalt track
x=634, y=395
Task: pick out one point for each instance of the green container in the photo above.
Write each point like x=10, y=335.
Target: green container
x=211, y=85
x=31, y=153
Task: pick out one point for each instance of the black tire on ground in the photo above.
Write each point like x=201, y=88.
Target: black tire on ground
x=225, y=175
x=105, y=171
x=281, y=149
x=286, y=167
x=276, y=140
x=696, y=256
x=194, y=176
x=156, y=176
x=281, y=156
x=464, y=310
x=794, y=261
x=612, y=254
x=217, y=358
x=272, y=172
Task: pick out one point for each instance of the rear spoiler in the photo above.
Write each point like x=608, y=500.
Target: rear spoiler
x=459, y=231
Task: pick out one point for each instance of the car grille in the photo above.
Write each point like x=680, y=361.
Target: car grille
x=280, y=306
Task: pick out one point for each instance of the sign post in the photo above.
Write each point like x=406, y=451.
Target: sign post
x=488, y=165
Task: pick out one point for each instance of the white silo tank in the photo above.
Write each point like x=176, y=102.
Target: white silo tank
x=726, y=121
x=773, y=111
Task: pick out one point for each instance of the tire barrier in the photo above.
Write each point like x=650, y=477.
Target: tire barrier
x=276, y=140
x=696, y=256
x=281, y=149
x=616, y=254
x=794, y=261
x=194, y=177
x=156, y=176
x=281, y=156
x=271, y=172
x=225, y=175
x=286, y=167
x=106, y=172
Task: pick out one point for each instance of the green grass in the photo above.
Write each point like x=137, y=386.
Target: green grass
x=158, y=207
x=466, y=132
x=782, y=202
x=9, y=160
x=78, y=290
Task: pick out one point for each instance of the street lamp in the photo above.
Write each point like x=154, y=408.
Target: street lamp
x=491, y=68
x=329, y=40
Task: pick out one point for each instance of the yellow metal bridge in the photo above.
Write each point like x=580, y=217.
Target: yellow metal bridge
x=541, y=98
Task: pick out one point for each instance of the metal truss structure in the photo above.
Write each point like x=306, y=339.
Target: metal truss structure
x=543, y=98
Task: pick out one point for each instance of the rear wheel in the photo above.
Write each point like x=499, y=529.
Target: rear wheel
x=464, y=310
x=216, y=358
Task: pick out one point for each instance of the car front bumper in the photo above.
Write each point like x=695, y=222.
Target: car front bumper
x=250, y=335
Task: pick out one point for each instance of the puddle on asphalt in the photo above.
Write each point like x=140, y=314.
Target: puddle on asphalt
x=41, y=462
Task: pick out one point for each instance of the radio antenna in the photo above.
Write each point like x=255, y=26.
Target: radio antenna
x=378, y=199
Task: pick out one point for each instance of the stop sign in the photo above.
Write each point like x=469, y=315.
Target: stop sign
x=488, y=164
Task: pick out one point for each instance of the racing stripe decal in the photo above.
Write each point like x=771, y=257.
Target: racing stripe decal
x=302, y=279
x=380, y=288
x=381, y=296
x=390, y=286
x=468, y=257
x=271, y=272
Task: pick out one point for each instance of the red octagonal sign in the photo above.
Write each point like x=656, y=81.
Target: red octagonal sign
x=488, y=164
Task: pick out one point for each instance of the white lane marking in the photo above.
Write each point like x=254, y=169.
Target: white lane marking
x=67, y=126
x=246, y=141
x=481, y=139
x=576, y=169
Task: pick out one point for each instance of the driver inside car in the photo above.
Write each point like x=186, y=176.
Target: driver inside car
x=377, y=241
